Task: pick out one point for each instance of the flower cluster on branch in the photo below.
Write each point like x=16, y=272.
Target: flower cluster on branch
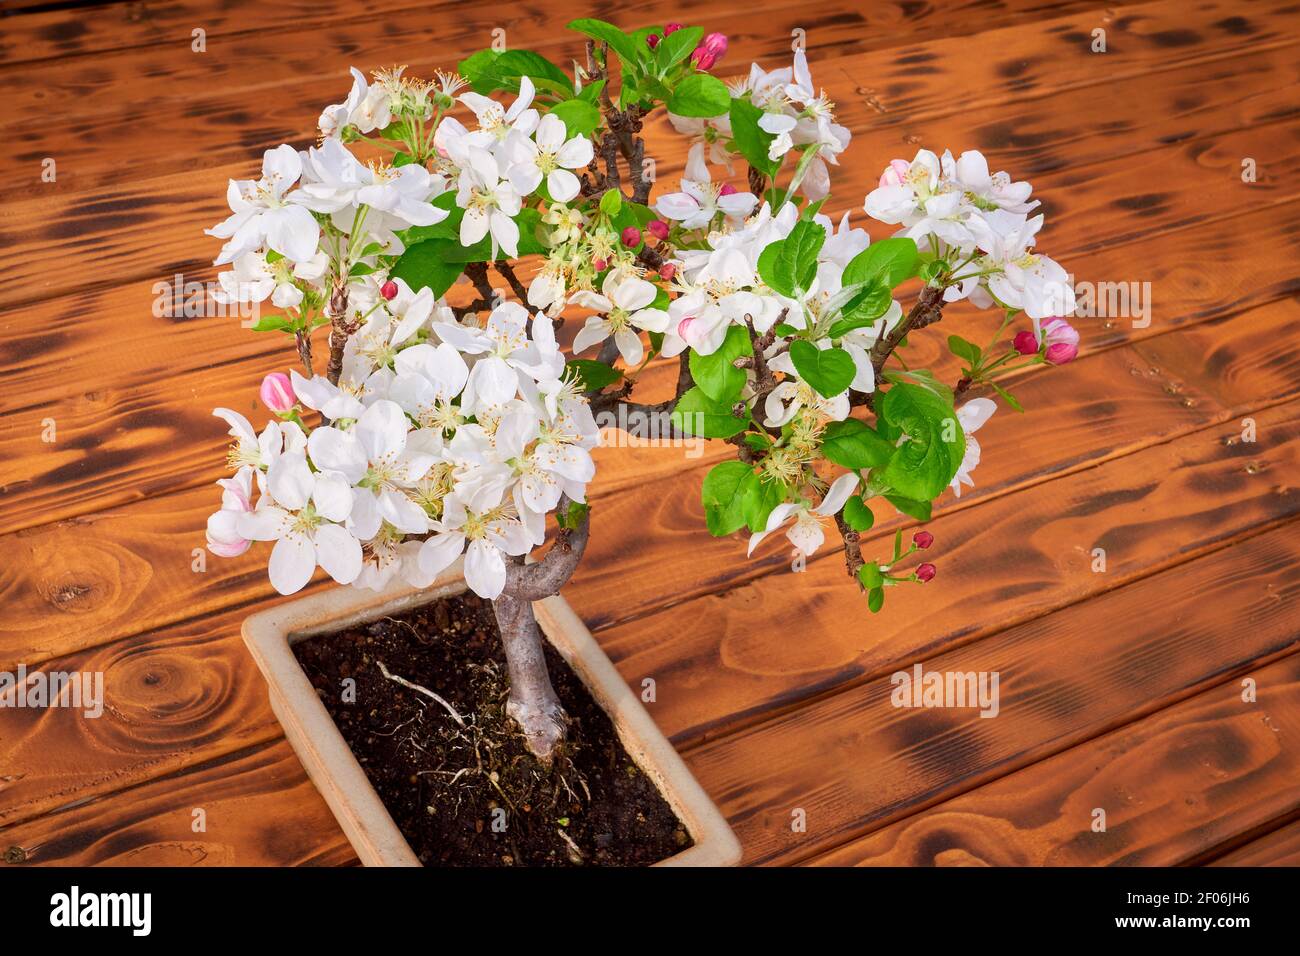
x=438, y=431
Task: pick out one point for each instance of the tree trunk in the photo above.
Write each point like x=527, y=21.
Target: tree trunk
x=532, y=703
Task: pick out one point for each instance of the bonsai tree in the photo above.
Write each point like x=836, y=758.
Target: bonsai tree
x=427, y=431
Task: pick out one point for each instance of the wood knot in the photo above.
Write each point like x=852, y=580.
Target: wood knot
x=67, y=594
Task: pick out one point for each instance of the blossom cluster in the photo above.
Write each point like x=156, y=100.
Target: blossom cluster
x=441, y=431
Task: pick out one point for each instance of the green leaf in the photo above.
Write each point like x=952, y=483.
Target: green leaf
x=716, y=374
x=592, y=374
x=761, y=495
x=870, y=576
x=697, y=414
x=857, y=515
x=477, y=69
x=611, y=202
x=750, y=139
x=273, y=323
x=429, y=264
x=829, y=371
x=510, y=65
x=889, y=261
x=789, y=265
x=875, y=599
x=864, y=309
x=622, y=44
x=723, y=497
x=922, y=377
x=580, y=117
x=573, y=515
x=676, y=47
x=1007, y=397
x=700, y=95
x=965, y=350
x=855, y=444
x=919, y=510
x=925, y=463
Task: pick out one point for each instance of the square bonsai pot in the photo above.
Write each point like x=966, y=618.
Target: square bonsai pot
x=271, y=634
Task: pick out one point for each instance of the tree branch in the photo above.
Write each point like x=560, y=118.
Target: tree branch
x=532, y=582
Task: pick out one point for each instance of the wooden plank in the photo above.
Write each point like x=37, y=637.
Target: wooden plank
x=171, y=699
x=1173, y=786
x=887, y=87
x=259, y=809
x=122, y=224
x=1279, y=848
x=854, y=762
x=68, y=33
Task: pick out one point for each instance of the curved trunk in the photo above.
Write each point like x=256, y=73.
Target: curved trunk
x=532, y=703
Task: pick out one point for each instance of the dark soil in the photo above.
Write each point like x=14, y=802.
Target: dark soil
x=474, y=795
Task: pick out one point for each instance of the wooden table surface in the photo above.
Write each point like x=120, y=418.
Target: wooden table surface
x=1121, y=687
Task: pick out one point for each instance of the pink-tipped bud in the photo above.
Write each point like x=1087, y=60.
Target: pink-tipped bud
x=672, y=28
x=631, y=236
x=657, y=228
x=923, y=539
x=599, y=264
x=389, y=290
x=727, y=190
x=703, y=59
x=667, y=271
x=1025, y=343
x=652, y=40
x=895, y=173
x=926, y=572
x=277, y=393
x=1061, y=352
x=715, y=43
x=1062, y=341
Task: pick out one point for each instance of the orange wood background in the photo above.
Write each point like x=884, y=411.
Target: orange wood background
x=1121, y=689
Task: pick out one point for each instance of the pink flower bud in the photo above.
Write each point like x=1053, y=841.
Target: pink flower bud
x=672, y=28
x=1062, y=341
x=715, y=43
x=599, y=264
x=631, y=236
x=652, y=40
x=667, y=271
x=657, y=228
x=895, y=173
x=923, y=539
x=389, y=290
x=277, y=393
x=1025, y=343
x=727, y=190
x=703, y=59
x=925, y=572
x=1061, y=352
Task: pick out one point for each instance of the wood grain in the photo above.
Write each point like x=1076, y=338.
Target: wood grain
x=1278, y=848
x=1173, y=786
x=259, y=810
x=854, y=761
x=779, y=686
